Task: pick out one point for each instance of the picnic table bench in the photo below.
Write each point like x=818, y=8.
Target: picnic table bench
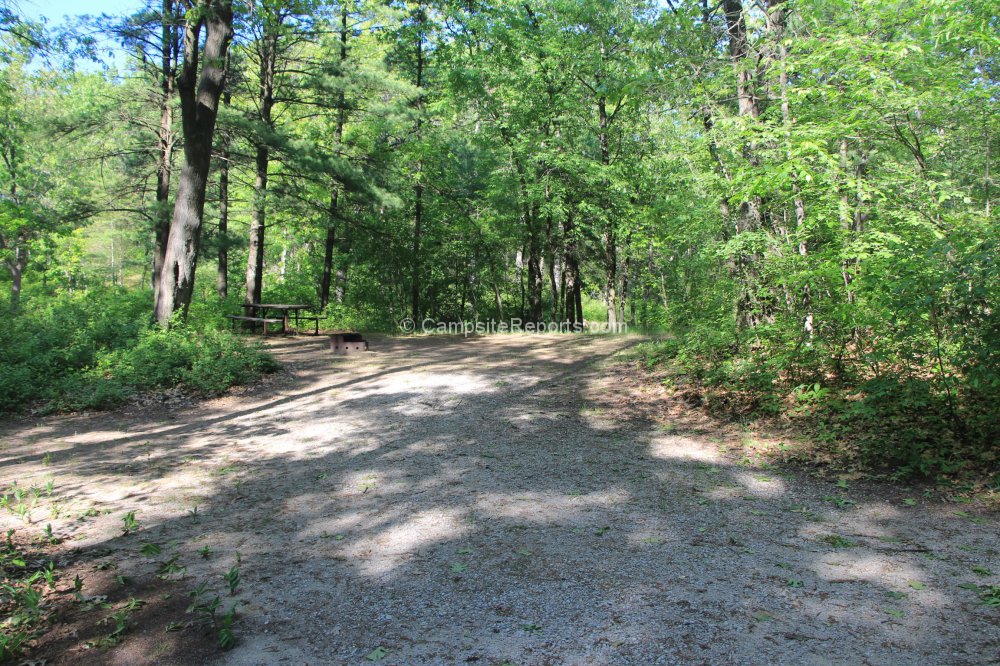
x=263, y=321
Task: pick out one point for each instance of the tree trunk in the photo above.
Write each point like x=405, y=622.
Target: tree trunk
x=16, y=267
x=328, y=251
x=199, y=109
x=748, y=218
x=499, y=300
x=739, y=52
x=418, y=219
x=418, y=189
x=331, y=232
x=553, y=287
x=777, y=22
x=574, y=306
x=846, y=219
x=519, y=264
x=610, y=235
x=258, y=217
x=16, y=264
x=534, y=270
x=222, y=272
x=165, y=139
x=561, y=314
x=340, y=285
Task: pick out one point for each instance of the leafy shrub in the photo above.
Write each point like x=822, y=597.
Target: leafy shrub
x=92, y=350
x=902, y=405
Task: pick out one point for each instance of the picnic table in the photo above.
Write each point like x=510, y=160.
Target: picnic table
x=287, y=312
x=276, y=313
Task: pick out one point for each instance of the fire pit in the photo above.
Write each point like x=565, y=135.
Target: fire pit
x=348, y=343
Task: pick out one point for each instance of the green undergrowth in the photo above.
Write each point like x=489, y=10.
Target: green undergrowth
x=894, y=424
x=23, y=582
x=92, y=350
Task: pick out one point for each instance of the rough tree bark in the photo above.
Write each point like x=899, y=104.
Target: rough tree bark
x=16, y=263
x=574, y=285
x=535, y=279
x=222, y=270
x=199, y=109
x=268, y=53
x=331, y=231
x=776, y=26
x=610, y=236
x=748, y=217
x=418, y=189
x=165, y=137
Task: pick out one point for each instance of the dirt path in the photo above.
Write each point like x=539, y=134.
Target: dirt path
x=480, y=501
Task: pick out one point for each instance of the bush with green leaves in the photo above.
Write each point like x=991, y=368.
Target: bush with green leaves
x=91, y=350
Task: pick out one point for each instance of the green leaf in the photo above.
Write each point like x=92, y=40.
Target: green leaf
x=378, y=654
x=150, y=549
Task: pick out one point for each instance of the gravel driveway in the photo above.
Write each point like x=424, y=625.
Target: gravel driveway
x=484, y=501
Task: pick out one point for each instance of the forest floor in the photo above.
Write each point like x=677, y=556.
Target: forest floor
x=496, y=500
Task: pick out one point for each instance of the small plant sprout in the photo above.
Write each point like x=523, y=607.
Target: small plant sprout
x=378, y=654
x=196, y=594
x=129, y=523
x=837, y=541
x=49, y=537
x=49, y=573
x=205, y=552
x=150, y=549
x=232, y=578
x=226, y=637
x=990, y=595
x=170, y=567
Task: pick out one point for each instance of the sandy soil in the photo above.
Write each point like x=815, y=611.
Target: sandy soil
x=499, y=501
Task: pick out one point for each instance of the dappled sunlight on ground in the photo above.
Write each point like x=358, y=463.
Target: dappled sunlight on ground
x=760, y=485
x=383, y=554
x=681, y=448
x=546, y=508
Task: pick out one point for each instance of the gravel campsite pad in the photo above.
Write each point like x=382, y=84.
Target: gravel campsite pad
x=491, y=500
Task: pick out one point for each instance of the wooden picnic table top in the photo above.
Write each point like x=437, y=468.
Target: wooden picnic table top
x=280, y=306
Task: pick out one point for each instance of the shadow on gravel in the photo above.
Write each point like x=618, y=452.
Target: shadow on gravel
x=457, y=500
